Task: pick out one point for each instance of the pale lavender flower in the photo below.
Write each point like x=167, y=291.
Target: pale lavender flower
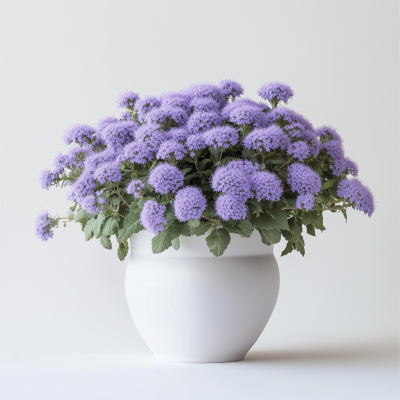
x=84, y=186
x=44, y=225
x=248, y=114
x=351, y=167
x=151, y=135
x=228, y=207
x=165, y=114
x=79, y=133
x=334, y=149
x=101, y=200
x=62, y=160
x=204, y=104
x=303, y=180
x=125, y=116
x=275, y=91
x=119, y=135
x=267, y=186
x=230, y=88
x=357, y=193
x=287, y=116
x=266, y=139
x=200, y=122
x=47, y=177
x=195, y=142
x=176, y=100
x=145, y=105
x=152, y=216
x=171, y=150
x=221, y=136
x=231, y=181
x=189, y=203
x=326, y=133
x=88, y=203
x=108, y=172
x=305, y=201
x=103, y=123
x=238, y=103
x=299, y=150
x=95, y=160
x=207, y=90
x=134, y=187
x=75, y=157
x=137, y=153
x=178, y=134
x=166, y=178
x=127, y=99
x=246, y=166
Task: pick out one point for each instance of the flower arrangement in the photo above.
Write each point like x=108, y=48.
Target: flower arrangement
x=204, y=160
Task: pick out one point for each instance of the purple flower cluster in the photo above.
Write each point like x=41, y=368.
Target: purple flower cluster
x=176, y=100
x=305, y=201
x=189, y=203
x=267, y=186
x=249, y=168
x=238, y=103
x=44, y=225
x=152, y=216
x=84, y=186
x=231, y=181
x=134, y=187
x=119, y=135
x=221, y=136
x=94, y=161
x=288, y=116
x=178, y=134
x=195, y=142
x=229, y=207
x=266, y=139
x=299, y=150
x=127, y=99
x=162, y=115
x=204, y=104
x=79, y=133
x=89, y=204
x=125, y=116
x=137, y=153
x=326, y=133
x=166, y=178
x=303, y=180
x=108, y=172
x=357, y=193
x=206, y=90
x=248, y=114
x=275, y=91
x=47, y=177
x=200, y=122
x=145, y=105
x=230, y=88
x=170, y=150
x=151, y=135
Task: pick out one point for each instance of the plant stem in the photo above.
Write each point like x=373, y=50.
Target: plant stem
x=286, y=163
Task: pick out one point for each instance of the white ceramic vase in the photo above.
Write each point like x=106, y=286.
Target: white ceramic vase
x=190, y=306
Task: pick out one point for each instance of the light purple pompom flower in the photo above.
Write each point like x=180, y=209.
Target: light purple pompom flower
x=44, y=225
x=166, y=178
x=165, y=114
x=200, y=122
x=145, y=105
x=88, y=203
x=195, y=142
x=178, y=134
x=189, y=203
x=204, y=104
x=205, y=90
x=95, y=160
x=102, y=124
x=351, y=167
x=305, y=201
x=248, y=114
x=176, y=100
x=246, y=166
x=171, y=150
x=228, y=207
x=303, y=180
x=230, y=88
x=134, y=187
x=342, y=165
x=299, y=150
x=152, y=216
x=151, y=135
x=101, y=200
x=334, y=149
x=46, y=179
x=137, y=153
x=79, y=133
x=326, y=133
x=221, y=136
x=125, y=116
x=266, y=139
x=287, y=116
x=357, y=193
x=84, y=185
x=127, y=99
x=119, y=135
x=275, y=91
x=238, y=103
x=231, y=181
x=108, y=172
x=267, y=186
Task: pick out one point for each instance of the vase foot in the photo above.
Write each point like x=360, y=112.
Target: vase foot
x=198, y=361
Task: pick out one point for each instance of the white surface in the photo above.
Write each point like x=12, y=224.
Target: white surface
x=65, y=62
x=193, y=307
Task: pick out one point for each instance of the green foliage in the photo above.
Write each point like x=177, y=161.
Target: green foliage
x=163, y=240
x=218, y=241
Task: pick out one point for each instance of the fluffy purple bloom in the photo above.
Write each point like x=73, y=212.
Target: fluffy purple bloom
x=299, y=150
x=44, y=225
x=263, y=106
x=206, y=90
x=88, y=203
x=134, y=187
x=266, y=139
x=246, y=166
x=341, y=165
x=230, y=88
x=126, y=116
x=238, y=103
x=151, y=135
x=267, y=186
x=288, y=116
x=303, y=180
x=84, y=186
x=79, y=134
x=137, y=153
x=47, y=177
x=357, y=193
x=127, y=99
x=195, y=142
x=94, y=161
x=248, y=114
x=166, y=178
x=145, y=105
x=178, y=134
x=189, y=203
x=162, y=115
x=119, y=135
x=108, y=172
x=101, y=200
x=200, y=122
x=221, y=136
x=326, y=133
x=102, y=124
x=152, y=216
x=74, y=158
x=204, y=104
x=62, y=160
x=231, y=181
x=275, y=90
x=171, y=150
x=334, y=149
x=298, y=131
x=176, y=100
x=305, y=201
x=229, y=207
x=351, y=167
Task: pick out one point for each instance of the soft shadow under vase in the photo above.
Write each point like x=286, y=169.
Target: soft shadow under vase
x=190, y=306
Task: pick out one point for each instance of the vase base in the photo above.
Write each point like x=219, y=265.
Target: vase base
x=199, y=361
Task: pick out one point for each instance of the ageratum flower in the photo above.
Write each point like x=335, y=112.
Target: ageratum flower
x=326, y=133
x=200, y=122
x=221, y=136
x=88, y=203
x=287, y=116
x=275, y=91
x=79, y=133
x=74, y=158
x=248, y=114
x=102, y=124
x=204, y=104
x=178, y=134
x=334, y=149
x=137, y=152
x=162, y=115
x=246, y=166
x=126, y=116
x=238, y=103
x=127, y=99
x=151, y=135
x=108, y=172
x=229, y=207
x=189, y=203
x=344, y=165
x=152, y=216
x=195, y=142
x=266, y=139
x=119, y=135
x=134, y=187
x=305, y=201
x=94, y=161
x=357, y=193
x=179, y=100
x=206, y=90
x=84, y=186
x=44, y=225
x=303, y=180
x=267, y=186
x=171, y=150
x=351, y=167
x=231, y=181
x=47, y=177
x=145, y=105
x=299, y=150
x=166, y=178
x=230, y=88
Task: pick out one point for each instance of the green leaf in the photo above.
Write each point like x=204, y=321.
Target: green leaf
x=186, y=170
x=98, y=225
x=283, y=173
x=345, y=214
x=105, y=242
x=110, y=226
x=80, y=215
x=123, y=249
x=176, y=243
x=311, y=230
x=271, y=219
x=299, y=245
x=246, y=153
x=295, y=228
x=226, y=159
x=203, y=163
x=191, y=176
x=218, y=241
x=276, y=160
x=73, y=208
x=318, y=220
x=286, y=234
x=217, y=164
x=131, y=225
x=213, y=151
x=329, y=183
x=89, y=228
x=246, y=226
x=163, y=240
x=270, y=236
x=210, y=210
x=194, y=223
x=288, y=249
x=307, y=218
x=186, y=230
x=203, y=228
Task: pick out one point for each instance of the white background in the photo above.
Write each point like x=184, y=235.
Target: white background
x=66, y=331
